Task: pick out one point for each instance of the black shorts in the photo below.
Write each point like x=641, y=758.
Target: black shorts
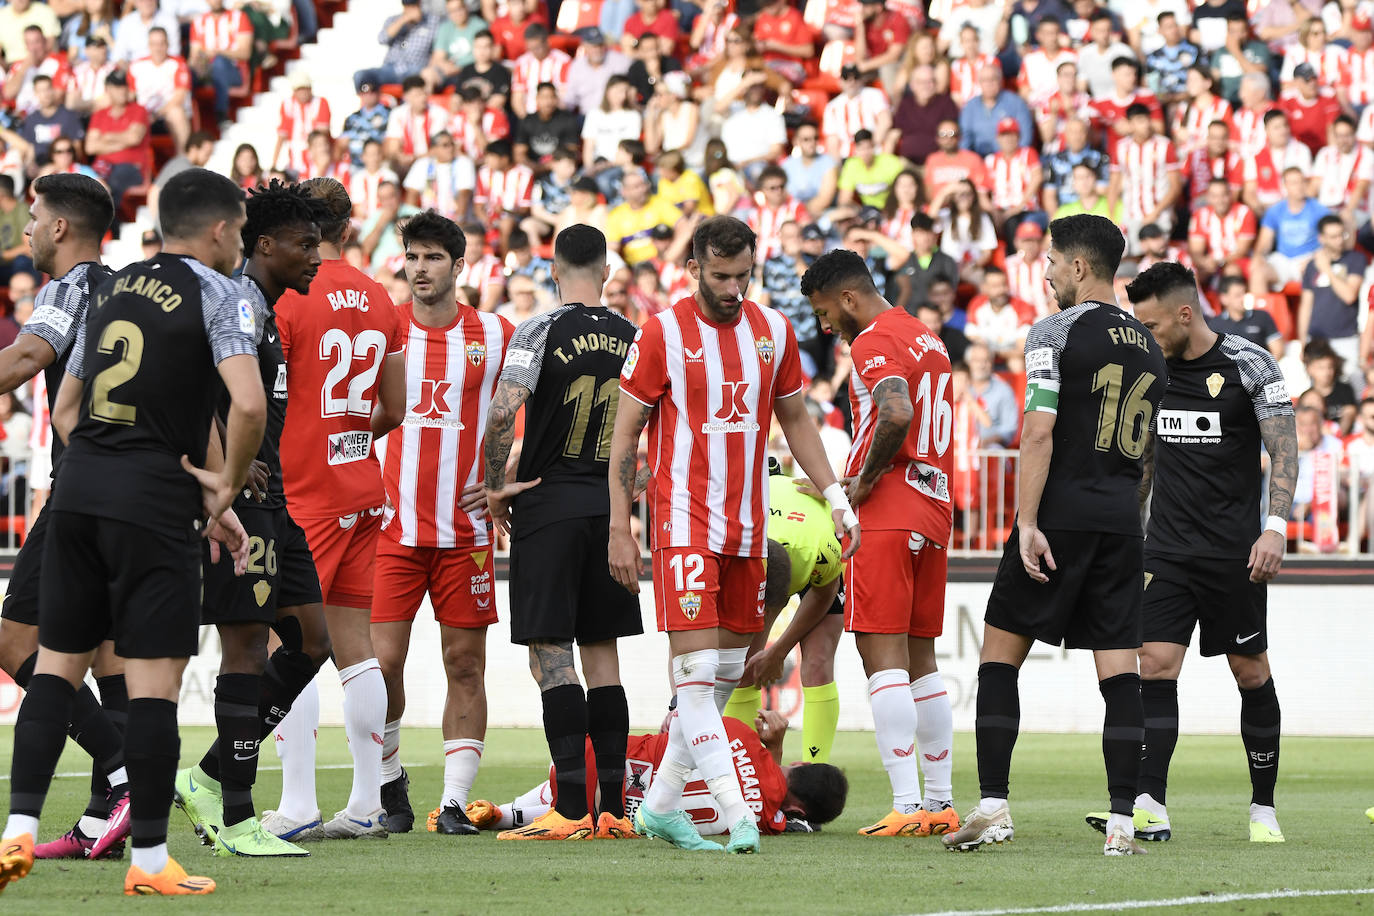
x=21, y=598
x=104, y=576
x=836, y=606
x=561, y=586
x=1215, y=595
x=1092, y=600
x=281, y=572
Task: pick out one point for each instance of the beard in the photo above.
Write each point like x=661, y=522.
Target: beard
x=728, y=308
x=1065, y=297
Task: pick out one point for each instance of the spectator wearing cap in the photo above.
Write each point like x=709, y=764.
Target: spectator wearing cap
x=1096, y=56
x=754, y=133
x=50, y=121
x=37, y=61
x=1015, y=175
x=368, y=123
x=919, y=112
x=552, y=195
x=195, y=154
x=926, y=264
x=980, y=119
x=784, y=39
x=1241, y=56
x=652, y=17
x=20, y=15
x=1263, y=174
x=1169, y=56
x=866, y=177
x=131, y=33
x=1310, y=112
x=1026, y=267
x=409, y=40
x=486, y=73
x=86, y=89
x=1288, y=236
x=682, y=187
x=629, y=225
x=951, y=163
x=812, y=175
x=118, y=139
x=412, y=123
x=453, y=40
x=591, y=69
x=857, y=107
x=301, y=114
x=546, y=128
x=540, y=64
x=221, y=44
x=879, y=42
x=781, y=289
x=774, y=209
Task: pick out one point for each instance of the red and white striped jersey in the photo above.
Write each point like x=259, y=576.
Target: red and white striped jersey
x=1060, y=108
x=1341, y=174
x=1000, y=328
x=54, y=66
x=153, y=84
x=1013, y=187
x=294, y=124
x=915, y=494
x=1202, y=168
x=898, y=227
x=504, y=190
x=1194, y=120
x=1357, y=77
x=1267, y=172
x=451, y=374
x=1026, y=279
x=1038, y=79
x=471, y=138
x=767, y=224
x=1247, y=130
x=341, y=171
x=219, y=32
x=1328, y=63
x=674, y=280
x=89, y=80
x=963, y=77
x=414, y=129
x=1145, y=169
x=712, y=389
x=440, y=183
x=713, y=41
x=362, y=186
x=1108, y=111
x=530, y=71
x=1222, y=233
x=846, y=115
x=481, y=273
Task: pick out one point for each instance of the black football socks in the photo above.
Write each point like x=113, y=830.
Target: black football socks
x=1123, y=732
x=997, y=723
x=1259, y=729
x=608, y=724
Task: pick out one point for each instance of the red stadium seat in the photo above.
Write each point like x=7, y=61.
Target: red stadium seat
x=565, y=43
x=1278, y=307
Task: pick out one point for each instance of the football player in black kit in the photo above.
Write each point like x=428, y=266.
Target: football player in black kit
x=281, y=241
x=1206, y=558
x=1072, y=566
x=70, y=215
x=564, y=366
x=141, y=479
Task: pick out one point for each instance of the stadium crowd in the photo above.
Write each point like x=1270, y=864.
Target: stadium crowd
x=936, y=140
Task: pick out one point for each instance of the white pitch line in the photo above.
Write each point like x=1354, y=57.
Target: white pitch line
x=1147, y=904
x=323, y=766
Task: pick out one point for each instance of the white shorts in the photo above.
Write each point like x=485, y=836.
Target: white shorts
x=1288, y=270
x=40, y=468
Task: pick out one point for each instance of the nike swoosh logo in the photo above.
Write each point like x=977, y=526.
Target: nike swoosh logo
x=271, y=338
x=241, y=757
x=361, y=823
x=1241, y=642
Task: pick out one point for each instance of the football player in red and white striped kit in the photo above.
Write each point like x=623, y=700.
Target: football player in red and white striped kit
x=707, y=376
x=436, y=534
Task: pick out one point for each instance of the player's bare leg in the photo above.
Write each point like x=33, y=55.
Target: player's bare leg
x=820, y=696
x=391, y=640
x=364, y=721
x=1259, y=729
x=996, y=727
x=464, y=723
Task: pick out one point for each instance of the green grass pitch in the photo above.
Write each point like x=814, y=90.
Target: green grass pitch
x=1324, y=787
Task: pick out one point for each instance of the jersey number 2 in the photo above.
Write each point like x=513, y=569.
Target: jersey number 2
x=336, y=345
x=102, y=408
x=1128, y=422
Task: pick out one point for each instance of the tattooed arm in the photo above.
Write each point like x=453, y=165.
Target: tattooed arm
x=631, y=416
x=1147, y=471
x=1281, y=441
x=894, y=412
x=500, y=437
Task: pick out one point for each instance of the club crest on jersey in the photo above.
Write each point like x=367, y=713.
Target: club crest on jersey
x=1214, y=383
x=477, y=351
x=765, y=347
x=690, y=603
x=261, y=591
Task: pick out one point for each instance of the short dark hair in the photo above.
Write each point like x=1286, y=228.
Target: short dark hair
x=777, y=588
x=1159, y=281
x=1225, y=284
x=1096, y=239
x=772, y=170
x=722, y=237
x=1274, y=114
x=157, y=28
x=580, y=247
x=519, y=238
x=1167, y=14
x=1345, y=119
x=1098, y=15
x=567, y=153
x=336, y=208
x=42, y=77
x=7, y=185
x=195, y=199
x=1124, y=61
x=412, y=82
x=923, y=221
x=1330, y=219
x=197, y=138
x=837, y=268
x=79, y=199
x=545, y=85
x=429, y=226
x=276, y=207
x=822, y=789
x=500, y=148
x=535, y=31
x=635, y=148
x=1136, y=109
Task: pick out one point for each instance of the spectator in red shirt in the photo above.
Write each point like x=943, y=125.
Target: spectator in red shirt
x=1310, y=113
x=652, y=18
x=950, y=164
x=118, y=139
x=784, y=39
x=221, y=43
x=509, y=30
x=880, y=42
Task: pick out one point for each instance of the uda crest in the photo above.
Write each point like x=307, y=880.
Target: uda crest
x=1214, y=383
x=690, y=604
x=765, y=348
x=477, y=351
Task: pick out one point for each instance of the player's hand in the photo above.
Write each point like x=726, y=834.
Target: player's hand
x=770, y=724
x=763, y=669
x=474, y=499
x=228, y=531
x=216, y=493
x=806, y=488
x=258, y=476
x=1266, y=556
x=857, y=489
x=498, y=501
x=624, y=559
x=1034, y=546
x=853, y=533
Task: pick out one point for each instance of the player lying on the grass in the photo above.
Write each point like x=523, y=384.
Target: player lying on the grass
x=1207, y=563
x=784, y=799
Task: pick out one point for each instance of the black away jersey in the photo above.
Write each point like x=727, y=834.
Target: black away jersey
x=272, y=363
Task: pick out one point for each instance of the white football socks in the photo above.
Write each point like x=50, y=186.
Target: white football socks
x=462, y=756
x=391, y=752
x=20, y=824
x=894, y=723
x=934, y=739
x=295, y=742
x=665, y=788
x=364, y=703
x=117, y=777
x=531, y=806
x=152, y=859
x=728, y=670
x=694, y=674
